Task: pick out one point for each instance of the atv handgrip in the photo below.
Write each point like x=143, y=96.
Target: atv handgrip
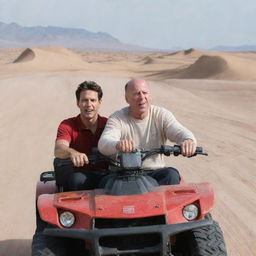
x=199, y=151
x=94, y=158
x=176, y=150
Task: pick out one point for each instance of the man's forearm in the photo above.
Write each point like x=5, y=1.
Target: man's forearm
x=107, y=147
x=109, y=138
x=63, y=151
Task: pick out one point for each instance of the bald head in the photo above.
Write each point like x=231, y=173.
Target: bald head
x=136, y=82
x=137, y=95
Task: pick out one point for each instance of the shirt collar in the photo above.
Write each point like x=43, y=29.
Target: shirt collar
x=81, y=126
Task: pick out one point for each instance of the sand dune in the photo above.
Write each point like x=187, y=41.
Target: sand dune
x=38, y=93
x=26, y=55
x=205, y=67
x=210, y=65
x=46, y=59
x=189, y=52
x=148, y=60
x=186, y=64
x=9, y=55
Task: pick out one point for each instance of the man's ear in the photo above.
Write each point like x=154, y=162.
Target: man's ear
x=126, y=99
x=77, y=102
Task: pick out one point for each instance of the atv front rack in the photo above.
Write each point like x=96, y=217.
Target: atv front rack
x=94, y=236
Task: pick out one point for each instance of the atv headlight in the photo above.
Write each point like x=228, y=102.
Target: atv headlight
x=67, y=219
x=190, y=212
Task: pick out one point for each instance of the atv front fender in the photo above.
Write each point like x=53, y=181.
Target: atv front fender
x=48, y=187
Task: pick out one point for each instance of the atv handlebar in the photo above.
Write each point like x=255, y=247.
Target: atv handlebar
x=170, y=150
x=135, y=159
x=176, y=150
x=132, y=159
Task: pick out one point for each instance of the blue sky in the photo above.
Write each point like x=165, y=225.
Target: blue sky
x=159, y=24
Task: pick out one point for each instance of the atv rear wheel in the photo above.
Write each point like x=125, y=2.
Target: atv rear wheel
x=206, y=241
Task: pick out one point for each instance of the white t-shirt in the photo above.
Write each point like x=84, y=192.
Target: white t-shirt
x=149, y=133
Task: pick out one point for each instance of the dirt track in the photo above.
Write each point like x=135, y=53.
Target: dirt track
x=221, y=113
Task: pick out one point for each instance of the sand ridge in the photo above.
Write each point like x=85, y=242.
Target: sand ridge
x=46, y=59
x=196, y=64
x=206, y=66
x=38, y=93
x=26, y=55
x=186, y=64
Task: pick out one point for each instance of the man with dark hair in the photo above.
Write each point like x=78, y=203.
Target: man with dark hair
x=77, y=136
x=89, y=85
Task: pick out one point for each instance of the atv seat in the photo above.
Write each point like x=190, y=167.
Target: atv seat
x=62, y=169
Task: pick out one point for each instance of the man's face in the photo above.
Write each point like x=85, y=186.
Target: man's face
x=89, y=104
x=138, y=97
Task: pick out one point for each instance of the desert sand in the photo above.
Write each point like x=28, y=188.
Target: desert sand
x=211, y=93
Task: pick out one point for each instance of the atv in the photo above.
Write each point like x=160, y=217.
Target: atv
x=130, y=215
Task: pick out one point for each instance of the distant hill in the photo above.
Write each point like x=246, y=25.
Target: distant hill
x=241, y=48
x=16, y=36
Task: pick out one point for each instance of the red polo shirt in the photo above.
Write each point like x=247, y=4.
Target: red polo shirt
x=79, y=137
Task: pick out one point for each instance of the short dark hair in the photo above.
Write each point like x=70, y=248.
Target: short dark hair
x=88, y=85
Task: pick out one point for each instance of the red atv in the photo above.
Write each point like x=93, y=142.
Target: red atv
x=132, y=215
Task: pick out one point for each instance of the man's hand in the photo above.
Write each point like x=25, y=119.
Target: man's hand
x=62, y=150
x=125, y=145
x=78, y=159
x=188, y=147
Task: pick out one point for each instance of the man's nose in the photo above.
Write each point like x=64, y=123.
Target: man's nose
x=141, y=95
x=89, y=103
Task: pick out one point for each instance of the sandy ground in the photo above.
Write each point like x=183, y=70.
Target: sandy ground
x=212, y=93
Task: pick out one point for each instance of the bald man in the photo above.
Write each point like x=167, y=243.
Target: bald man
x=145, y=126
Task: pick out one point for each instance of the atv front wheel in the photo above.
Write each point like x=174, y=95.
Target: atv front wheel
x=206, y=241
x=43, y=245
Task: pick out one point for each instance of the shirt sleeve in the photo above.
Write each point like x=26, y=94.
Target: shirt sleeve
x=64, y=131
x=110, y=137
x=174, y=130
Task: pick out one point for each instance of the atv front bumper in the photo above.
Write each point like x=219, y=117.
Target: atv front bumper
x=94, y=235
